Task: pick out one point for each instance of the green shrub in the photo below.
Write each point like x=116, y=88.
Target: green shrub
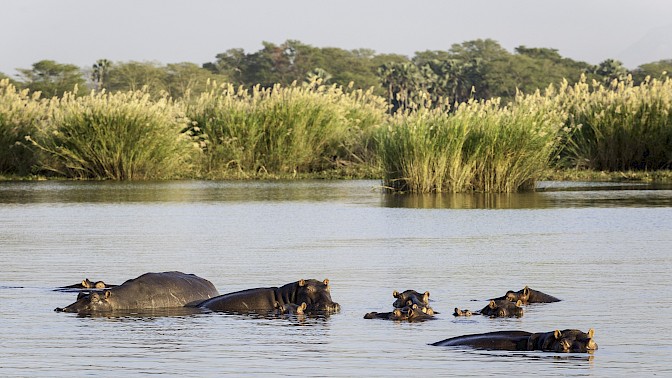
x=295, y=129
x=20, y=115
x=620, y=127
x=480, y=146
x=121, y=136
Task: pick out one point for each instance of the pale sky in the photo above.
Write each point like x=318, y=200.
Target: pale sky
x=172, y=31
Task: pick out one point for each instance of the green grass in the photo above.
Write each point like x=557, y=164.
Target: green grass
x=479, y=147
x=121, y=136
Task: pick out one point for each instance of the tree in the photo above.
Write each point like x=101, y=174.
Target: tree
x=655, y=70
x=133, y=76
x=611, y=69
x=52, y=79
x=100, y=73
x=187, y=79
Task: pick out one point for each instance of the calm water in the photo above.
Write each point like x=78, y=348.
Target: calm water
x=605, y=249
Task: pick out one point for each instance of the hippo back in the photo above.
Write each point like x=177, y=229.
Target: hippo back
x=148, y=291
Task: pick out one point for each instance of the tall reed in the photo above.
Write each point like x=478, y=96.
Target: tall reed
x=120, y=136
x=294, y=129
x=20, y=116
x=480, y=146
x=619, y=127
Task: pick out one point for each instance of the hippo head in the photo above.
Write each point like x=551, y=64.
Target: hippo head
x=522, y=295
x=88, y=284
x=410, y=295
x=316, y=295
x=90, y=303
x=464, y=312
x=572, y=340
x=503, y=308
x=410, y=313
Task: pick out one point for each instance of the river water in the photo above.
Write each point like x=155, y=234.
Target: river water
x=605, y=249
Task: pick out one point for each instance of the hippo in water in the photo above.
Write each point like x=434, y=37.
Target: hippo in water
x=316, y=295
x=527, y=295
x=413, y=296
x=569, y=340
x=412, y=313
x=88, y=284
x=497, y=308
x=148, y=291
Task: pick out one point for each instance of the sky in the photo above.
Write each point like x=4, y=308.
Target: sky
x=173, y=31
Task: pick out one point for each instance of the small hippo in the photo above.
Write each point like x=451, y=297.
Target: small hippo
x=290, y=308
x=502, y=308
x=410, y=295
x=148, y=291
x=316, y=294
x=569, y=340
x=464, y=312
x=410, y=313
x=527, y=295
x=87, y=284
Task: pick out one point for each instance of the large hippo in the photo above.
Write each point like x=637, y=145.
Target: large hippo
x=316, y=295
x=148, y=291
x=527, y=295
x=569, y=340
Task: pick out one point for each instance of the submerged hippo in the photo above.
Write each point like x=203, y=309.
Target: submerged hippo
x=464, y=312
x=316, y=295
x=290, y=308
x=412, y=313
x=86, y=284
x=527, y=295
x=502, y=309
x=569, y=340
x=148, y=291
x=413, y=296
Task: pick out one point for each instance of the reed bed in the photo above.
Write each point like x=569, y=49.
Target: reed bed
x=619, y=127
x=120, y=136
x=279, y=130
x=20, y=116
x=480, y=146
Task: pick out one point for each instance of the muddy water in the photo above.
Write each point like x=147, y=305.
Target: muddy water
x=604, y=249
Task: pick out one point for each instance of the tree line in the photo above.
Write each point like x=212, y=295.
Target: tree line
x=478, y=69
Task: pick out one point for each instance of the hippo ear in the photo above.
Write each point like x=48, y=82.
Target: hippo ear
x=409, y=303
x=492, y=304
x=303, y=306
x=519, y=303
x=557, y=334
x=302, y=282
x=526, y=290
x=99, y=285
x=326, y=281
x=84, y=284
x=395, y=294
x=107, y=294
x=425, y=297
x=415, y=306
x=591, y=332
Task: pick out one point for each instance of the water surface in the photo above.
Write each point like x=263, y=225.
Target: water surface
x=603, y=248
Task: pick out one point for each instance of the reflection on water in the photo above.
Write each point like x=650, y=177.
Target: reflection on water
x=602, y=248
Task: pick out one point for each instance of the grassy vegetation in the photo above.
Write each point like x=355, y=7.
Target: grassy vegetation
x=314, y=130
x=481, y=146
x=619, y=127
x=284, y=130
x=121, y=136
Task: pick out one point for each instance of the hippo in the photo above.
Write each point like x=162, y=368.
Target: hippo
x=569, y=340
x=527, y=295
x=464, y=312
x=148, y=291
x=410, y=295
x=86, y=284
x=290, y=308
x=502, y=309
x=410, y=313
x=316, y=295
